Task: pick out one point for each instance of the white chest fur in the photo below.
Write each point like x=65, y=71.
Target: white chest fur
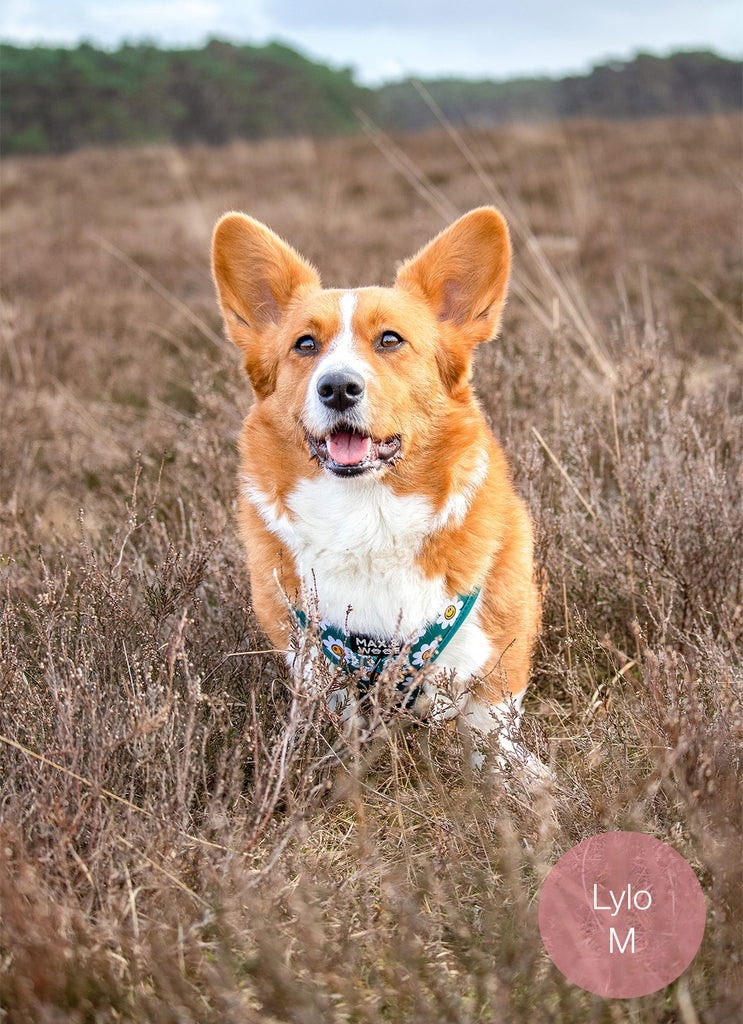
x=355, y=543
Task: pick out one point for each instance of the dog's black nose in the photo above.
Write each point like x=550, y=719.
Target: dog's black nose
x=341, y=389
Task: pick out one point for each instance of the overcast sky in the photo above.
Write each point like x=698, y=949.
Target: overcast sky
x=391, y=38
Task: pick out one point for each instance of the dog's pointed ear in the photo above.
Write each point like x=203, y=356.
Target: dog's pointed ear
x=257, y=275
x=463, y=273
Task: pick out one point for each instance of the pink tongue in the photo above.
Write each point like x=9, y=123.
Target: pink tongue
x=347, y=449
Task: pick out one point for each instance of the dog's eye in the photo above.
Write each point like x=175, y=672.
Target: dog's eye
x=390, y=340
x=306, y=344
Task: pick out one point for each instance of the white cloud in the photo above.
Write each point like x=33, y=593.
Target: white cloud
x=165, y=19
x=388, y=38
x=26, y=21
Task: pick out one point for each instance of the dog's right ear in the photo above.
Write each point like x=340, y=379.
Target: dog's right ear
x=257, y=275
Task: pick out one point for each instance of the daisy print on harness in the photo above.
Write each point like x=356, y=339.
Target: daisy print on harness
x=426, y=653
x=450, y=614
x=338, y=652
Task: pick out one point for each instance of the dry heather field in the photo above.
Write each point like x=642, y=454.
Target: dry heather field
x=177, y=841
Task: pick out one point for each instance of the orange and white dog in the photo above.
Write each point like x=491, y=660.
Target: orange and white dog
x=369, y=476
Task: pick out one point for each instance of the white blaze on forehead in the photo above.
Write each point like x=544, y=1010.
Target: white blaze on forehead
x=340, y=355
x=342, y=344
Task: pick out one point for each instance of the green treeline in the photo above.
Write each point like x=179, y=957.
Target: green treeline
x=647, y=86
x=57, y=99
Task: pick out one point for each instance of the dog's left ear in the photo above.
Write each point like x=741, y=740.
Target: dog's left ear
x=463, y=273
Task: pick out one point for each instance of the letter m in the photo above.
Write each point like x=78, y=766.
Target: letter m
x=613, y=935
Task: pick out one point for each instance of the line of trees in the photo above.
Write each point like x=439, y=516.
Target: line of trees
x=56, y=99
x=647, y=86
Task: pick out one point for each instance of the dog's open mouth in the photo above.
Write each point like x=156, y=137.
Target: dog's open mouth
x=346, y=452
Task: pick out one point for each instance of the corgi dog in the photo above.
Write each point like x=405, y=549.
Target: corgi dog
x=369, y=477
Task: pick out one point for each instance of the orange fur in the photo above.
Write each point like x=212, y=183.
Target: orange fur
x=446, y=300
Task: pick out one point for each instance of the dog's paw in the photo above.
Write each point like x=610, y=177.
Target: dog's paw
x=526, y=767
x=514, y=762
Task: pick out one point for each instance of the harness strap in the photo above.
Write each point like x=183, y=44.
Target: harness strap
x=358, y=652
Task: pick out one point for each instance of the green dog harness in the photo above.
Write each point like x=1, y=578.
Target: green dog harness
x=367, y=655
